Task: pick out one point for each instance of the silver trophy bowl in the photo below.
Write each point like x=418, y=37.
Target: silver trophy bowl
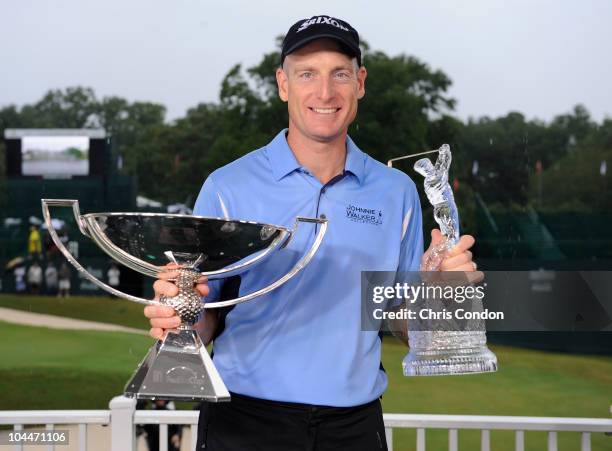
x=179, y=366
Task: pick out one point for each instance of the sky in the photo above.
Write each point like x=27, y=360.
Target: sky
x=539, y=57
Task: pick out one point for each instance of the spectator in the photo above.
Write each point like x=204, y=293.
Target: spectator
x=35, y=276
x=113, y=276
x=51, y=279
x=20, y=273
x=64, y=281
x=34, y=242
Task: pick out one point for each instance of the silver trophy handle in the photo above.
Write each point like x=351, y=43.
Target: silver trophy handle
x=74, y=204
x=297, y=268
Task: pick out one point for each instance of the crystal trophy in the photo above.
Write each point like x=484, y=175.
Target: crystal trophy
x=179, y=366
x=445, y=352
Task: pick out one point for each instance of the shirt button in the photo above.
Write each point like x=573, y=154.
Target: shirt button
x=322, y=216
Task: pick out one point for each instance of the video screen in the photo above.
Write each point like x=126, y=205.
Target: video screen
x=55, y=156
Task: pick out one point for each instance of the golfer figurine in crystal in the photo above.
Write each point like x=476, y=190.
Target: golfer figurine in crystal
x=179, y=367
x=440, y=195
x=440, y=352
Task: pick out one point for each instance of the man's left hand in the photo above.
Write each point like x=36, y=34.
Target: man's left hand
x=459, y=258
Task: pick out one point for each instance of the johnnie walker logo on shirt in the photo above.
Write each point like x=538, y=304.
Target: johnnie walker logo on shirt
x=364, y=215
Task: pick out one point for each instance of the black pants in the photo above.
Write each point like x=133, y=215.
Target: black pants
x=251, y=424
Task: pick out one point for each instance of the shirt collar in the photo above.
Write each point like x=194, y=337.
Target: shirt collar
x=284, y=162
x=355, y=160
x=281, y=157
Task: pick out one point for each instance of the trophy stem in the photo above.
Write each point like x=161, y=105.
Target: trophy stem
x=179, y=367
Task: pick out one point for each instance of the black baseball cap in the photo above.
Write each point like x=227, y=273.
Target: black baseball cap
x=307, y=30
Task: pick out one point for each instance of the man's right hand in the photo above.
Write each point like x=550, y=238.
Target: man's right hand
x=163, y=318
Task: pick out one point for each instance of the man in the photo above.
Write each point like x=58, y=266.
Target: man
x=20, y=273
x=34, y=242
x=302, y=373
x=51, y=279
x=64, y=281
x=113, y=274
x=35, y=277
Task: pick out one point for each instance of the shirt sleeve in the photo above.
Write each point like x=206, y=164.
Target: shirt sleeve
x=411, y=251
x=210, y=203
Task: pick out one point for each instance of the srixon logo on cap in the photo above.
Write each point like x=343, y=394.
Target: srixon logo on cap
x=321, y=19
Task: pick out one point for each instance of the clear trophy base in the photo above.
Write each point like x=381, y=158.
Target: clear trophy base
x=178, y=368
x=440, y=353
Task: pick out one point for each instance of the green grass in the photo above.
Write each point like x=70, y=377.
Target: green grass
x=44, y=368
x=57, y=369
x=92, y=308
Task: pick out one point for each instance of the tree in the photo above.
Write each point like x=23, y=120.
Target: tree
x=500, y=148
x=71, y=108
x=577, y=179
x=402, y=95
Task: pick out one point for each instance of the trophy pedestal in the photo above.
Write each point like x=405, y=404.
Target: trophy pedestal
x=178, y=368
x=438, y=353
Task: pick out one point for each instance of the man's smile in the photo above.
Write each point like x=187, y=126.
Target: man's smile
x=324, y=110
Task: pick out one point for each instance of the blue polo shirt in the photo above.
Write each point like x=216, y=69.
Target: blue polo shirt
x=303, y=342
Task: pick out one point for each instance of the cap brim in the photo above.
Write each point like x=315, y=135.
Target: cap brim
x=309, y=39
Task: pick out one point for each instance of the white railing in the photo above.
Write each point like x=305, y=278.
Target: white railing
x=123, y=416
x=485, y=424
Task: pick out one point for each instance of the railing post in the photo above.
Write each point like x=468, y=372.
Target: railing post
x=82, y=437
x=485, y=440
x=585, y=442
x=122, y=423
x=194, y=436
x=18, y=428
x=389, y=438
x=49, y=428
x=420, y=439
x=453, y=440
x=552, y=441
x=519, y=441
